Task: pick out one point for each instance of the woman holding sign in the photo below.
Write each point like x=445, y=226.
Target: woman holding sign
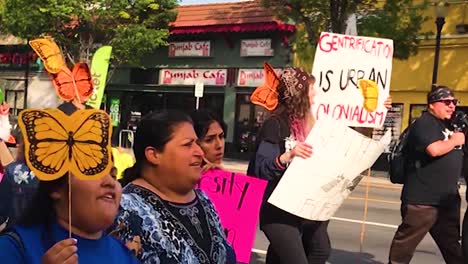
x=163, y=218
x=289, y=96
x=281, y=138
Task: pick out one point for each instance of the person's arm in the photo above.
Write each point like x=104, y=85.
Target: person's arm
x=442, y=147
x=273, y=163
x=267, y=161
x=428, y=138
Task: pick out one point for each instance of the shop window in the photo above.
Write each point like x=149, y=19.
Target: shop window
x=249, y=119
x=392, y=122
x=143, y=76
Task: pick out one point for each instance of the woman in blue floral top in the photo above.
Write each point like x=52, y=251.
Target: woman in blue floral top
x=163, y=218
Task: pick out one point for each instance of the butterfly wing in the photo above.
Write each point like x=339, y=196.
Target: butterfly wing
x=91, y=151
x=266, y=95
x=370, y=92
x=45, y=140
x=83, y=81
x=63, y=83
x=49, y=53
x=74, y=84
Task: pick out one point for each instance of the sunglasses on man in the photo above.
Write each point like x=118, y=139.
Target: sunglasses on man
x=447, y=102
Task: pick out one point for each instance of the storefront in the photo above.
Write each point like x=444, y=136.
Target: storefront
x=226, y=54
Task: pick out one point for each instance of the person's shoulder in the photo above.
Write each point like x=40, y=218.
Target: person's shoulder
x=202, y=195
x=18, y=240
x=135, y=202
x=424, y=120
x=118, y=247
x=29, y=233
x=271, y=122
x=11, y=167
x=272, y=129
x=10, y=249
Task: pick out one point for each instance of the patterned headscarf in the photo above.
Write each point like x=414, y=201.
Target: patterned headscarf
x=295, y=80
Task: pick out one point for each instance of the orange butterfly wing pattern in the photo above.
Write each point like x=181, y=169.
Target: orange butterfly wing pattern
x=266, y=95
x=50, y=54
x=77, y=83
x=56, y=143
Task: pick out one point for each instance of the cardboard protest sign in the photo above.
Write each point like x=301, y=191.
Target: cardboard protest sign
x=315, y=188
x=237, y=198
x=353, y=76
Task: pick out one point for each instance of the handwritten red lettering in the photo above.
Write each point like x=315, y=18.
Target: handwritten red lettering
x=374, y=47
x=353, y=113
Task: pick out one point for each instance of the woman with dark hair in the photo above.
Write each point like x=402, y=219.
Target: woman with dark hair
x=163, y=218
x=211, y=132
x=281, y=138
x=292, y=239
x=41, y=235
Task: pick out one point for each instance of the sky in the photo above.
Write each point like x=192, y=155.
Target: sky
x=198, y=2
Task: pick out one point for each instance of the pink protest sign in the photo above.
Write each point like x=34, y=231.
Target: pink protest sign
x=237, y=198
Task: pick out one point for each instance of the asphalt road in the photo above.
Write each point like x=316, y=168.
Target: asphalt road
x=383, y=217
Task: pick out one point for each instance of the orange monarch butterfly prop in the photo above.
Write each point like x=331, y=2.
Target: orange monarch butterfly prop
x=70, y=85
x=266, y=95
x=56, y=143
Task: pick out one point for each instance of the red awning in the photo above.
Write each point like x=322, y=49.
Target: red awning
x=263, y=26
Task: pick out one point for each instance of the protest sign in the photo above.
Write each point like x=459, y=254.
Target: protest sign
x=352, y=78
x=315, y=188
x=237, y=198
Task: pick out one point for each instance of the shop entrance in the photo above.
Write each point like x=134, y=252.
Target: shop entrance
x=249, y=119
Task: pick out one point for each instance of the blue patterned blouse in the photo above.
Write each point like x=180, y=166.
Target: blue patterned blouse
x=162, y=232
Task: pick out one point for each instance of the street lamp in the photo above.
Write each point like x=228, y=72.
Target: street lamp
x=441, y=12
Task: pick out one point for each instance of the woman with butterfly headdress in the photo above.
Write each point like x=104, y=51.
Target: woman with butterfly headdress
x=72, y=208
x=281, y=138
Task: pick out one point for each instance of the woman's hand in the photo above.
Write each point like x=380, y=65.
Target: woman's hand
x=63, y=252
x=388, y=102
x=302, y=150
x=210, y=166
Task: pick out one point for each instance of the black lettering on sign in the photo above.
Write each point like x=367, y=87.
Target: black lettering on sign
x=327, y=85
x=378, y=78
x=226, y=186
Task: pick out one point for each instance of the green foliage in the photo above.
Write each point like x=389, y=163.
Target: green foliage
x=403, y=25
x=399, y=20
x=134, y=28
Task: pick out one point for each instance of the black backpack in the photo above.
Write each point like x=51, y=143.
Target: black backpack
x=398, y=159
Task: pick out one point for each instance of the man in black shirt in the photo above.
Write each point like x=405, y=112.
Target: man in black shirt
x=430, y=198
